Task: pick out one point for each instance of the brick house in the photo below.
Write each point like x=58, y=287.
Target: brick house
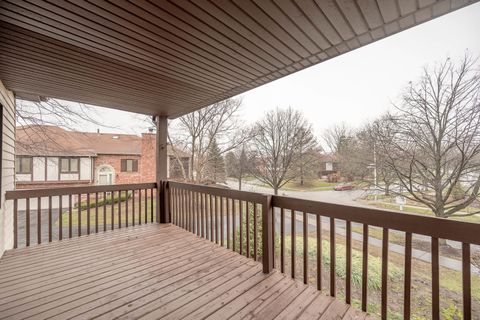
x=50, y=155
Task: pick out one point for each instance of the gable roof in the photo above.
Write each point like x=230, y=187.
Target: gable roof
x=46, y=140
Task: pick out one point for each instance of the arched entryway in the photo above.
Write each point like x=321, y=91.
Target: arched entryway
x=105, y=175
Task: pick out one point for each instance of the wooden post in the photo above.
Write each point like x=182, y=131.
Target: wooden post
x=161, y=167
x=267, y=233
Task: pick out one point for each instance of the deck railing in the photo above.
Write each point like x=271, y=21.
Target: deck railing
x=255, y=225
x=222, y=216
x=103, y=207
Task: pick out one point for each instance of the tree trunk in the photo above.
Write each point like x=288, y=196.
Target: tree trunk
x=275, y=191
x=240, y=184
x=387, y=189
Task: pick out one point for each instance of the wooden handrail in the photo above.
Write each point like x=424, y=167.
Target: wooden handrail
x=414, y=223
x=62, y=191
x=90, y=208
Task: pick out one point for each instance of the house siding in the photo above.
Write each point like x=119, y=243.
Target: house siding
x=7, y=100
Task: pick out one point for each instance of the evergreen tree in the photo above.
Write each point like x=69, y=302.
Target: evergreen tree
x=216, y=164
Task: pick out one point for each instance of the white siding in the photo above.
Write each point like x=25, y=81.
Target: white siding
x=85, y=169
x=23, y=177
x=52, y=169
x=38, y=169
x=68, y=176
x=8, y=168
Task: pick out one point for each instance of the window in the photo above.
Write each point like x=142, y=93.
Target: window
x=129, y=165
x=69, y=165
x=23, y=165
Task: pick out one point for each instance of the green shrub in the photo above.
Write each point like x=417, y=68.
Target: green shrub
x=101, y=202
x=374, y=263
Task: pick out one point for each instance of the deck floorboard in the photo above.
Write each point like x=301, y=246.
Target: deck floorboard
x=151, y=272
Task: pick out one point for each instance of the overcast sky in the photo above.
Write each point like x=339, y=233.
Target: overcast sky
x=354, y=87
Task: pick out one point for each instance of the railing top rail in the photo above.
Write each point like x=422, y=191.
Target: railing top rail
x=61, y=191
x=419, y=224
x=217, y=191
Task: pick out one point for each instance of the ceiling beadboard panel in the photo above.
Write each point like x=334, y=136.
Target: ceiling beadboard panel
x=173, y=57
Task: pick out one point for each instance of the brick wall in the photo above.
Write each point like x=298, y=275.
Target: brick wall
x=148, y=164
x=115, y=162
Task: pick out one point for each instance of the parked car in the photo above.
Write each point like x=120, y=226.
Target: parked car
x=343, y=187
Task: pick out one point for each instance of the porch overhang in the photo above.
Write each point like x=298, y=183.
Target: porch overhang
x=171, y=58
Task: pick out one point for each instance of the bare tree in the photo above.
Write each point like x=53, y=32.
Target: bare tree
x=276, y=146
x=433, y=140
x=51, y=112
x=308, y=161
x=236, y=163
x=335, y=136
x=198, y=130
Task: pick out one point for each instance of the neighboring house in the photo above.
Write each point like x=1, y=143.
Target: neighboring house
x=328, y=165
x=50, y=155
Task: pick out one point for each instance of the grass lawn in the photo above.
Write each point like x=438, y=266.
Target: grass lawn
x=420, y=210
x=108, y=213
x=309, y=185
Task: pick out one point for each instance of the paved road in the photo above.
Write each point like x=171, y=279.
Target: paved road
x=338, y=197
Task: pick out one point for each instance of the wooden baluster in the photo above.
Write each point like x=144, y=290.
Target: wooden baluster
x=333, y=288
x=127, y=198
x=70, y=213
x=185, y=209
x=282, y=240
x=190, y=210
x=305, y=248
x=198, y=209
x=112, y=214
x=15, y=223
x=228, y=222
x=192, y=214
x=151, y=205
x=39, y=220
x=407, y=276
x=50, y=231
x=435, y=280
x=60, y=218
x=247, y=225
x=255, y=232
x=466, y=282
x=294, y=238
x=365, y=267
x=182, y=208
x=217, y=238
x=241, y=226
x=234, y=225
x=96, y=212
x=202, y=209
x=104, y=211
x=146, y=206
x=319, y=252
x=27, y=222
x=221, y=222
x=88, y=213
x=139, y=206
x=119, y=209
x=273, y=236
x=348, y=278
x=212, y=233
x=79, y=212
x=173, y=201
x=384, y=272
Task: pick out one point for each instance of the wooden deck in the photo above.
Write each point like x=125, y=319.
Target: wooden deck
x=150, y=272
